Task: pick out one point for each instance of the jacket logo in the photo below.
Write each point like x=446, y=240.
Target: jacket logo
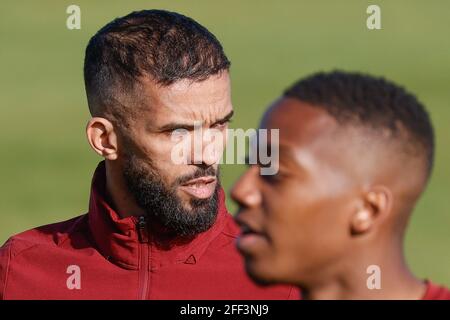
x=74, y=280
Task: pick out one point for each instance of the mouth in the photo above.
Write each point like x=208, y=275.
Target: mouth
x=250, y=238
x=200, y=188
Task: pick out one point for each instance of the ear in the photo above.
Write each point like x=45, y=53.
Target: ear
x=373, y=209
x=102, y=137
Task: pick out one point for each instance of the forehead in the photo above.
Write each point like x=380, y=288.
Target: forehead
x=311, y=141
x=300, y=124
x=189, y=100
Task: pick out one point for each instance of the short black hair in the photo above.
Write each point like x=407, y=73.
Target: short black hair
x=164, y=46
x=352, y=97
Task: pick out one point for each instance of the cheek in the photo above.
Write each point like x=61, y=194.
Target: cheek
x=306, y=232
x=155, y=152
x=283, y=211
x=283, y=223
x=321, y=238
x=151, y=147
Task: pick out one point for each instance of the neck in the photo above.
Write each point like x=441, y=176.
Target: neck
x=121, y=199
x=353, y=280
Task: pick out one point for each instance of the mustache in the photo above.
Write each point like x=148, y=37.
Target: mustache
x=199, y=173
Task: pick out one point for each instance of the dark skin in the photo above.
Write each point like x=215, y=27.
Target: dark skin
x=339, y=203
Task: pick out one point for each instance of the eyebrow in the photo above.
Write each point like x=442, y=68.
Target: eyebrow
x=189, y=126
x=285, y=157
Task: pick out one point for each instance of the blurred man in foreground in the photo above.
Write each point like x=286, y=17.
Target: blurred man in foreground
x=355, y=154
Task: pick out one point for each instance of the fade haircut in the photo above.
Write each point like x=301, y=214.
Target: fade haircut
x=355, y=98
x=159, y=45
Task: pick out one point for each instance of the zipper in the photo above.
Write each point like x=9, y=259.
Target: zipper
x=143, y=257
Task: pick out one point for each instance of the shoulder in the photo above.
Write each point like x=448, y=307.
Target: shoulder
x=22, y=250
x=224, y=242
x=50, y=234
x=436, y=292
x=231, y=229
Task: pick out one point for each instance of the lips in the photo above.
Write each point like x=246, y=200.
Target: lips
x=251, y=237
x=200, y=188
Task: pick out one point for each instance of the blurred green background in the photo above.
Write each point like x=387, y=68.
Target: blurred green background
x=46, y=163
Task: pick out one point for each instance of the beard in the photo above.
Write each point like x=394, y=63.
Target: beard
x=162, y=204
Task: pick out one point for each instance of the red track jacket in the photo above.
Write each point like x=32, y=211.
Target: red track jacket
x=101, y=256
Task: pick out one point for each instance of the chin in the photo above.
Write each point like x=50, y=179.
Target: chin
x=185, y=201
x=261, y=273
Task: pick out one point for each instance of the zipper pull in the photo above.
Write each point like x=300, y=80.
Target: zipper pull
x=142, y=229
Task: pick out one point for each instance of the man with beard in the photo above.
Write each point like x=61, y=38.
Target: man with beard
x=355, y=154
x=155, y=229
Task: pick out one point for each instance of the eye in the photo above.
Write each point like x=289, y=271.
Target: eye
x=178, y=132
x=278, y=176
x=273, y=178
x=221, y=125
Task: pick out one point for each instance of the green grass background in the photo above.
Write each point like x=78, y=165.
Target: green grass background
x=46, y=164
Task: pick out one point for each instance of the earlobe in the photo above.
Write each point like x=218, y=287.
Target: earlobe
x=362, y=221
x=102, y=137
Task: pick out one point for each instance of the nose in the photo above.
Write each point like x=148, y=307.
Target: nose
x=209, y=148
x=245, y=191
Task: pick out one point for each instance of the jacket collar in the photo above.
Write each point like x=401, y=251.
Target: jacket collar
x=117, y=238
